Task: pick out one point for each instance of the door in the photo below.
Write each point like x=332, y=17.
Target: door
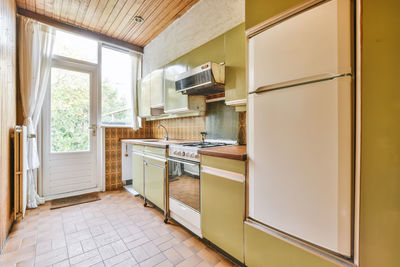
x=184, y=182
x=300, y=161
x=223, y=208
x=154, y=179
x=311, y=45
x=175, y=102
x=144, y=96
x=70, y=130
x=137, y=170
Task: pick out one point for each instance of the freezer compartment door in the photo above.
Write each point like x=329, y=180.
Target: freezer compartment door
x=300, y=161
x=314, y=43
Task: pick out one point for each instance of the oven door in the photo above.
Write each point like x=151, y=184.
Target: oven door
x=184, y=182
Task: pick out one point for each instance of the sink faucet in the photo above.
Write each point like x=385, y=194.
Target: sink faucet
x=165, y=138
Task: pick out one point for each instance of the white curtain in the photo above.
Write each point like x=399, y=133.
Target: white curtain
x=35, y=44
x=136, y=60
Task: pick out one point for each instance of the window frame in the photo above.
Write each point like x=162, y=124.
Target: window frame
x=98, y=84
x=107, y=124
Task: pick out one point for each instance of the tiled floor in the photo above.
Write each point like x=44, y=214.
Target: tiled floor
x=115, y=231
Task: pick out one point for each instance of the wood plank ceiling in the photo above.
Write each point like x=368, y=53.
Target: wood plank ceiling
x=114, y=18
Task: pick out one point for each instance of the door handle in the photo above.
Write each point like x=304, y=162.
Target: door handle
x=93, y=128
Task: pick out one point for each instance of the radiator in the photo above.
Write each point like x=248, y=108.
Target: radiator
x=20, y=171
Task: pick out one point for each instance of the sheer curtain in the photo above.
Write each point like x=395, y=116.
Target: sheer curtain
x=35, y=44
x=136, y=60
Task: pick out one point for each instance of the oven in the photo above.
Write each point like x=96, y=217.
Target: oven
x=184, y=193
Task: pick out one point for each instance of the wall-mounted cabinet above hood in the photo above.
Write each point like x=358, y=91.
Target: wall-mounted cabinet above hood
x=207, y=79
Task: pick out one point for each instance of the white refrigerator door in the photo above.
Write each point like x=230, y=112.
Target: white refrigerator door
x=314, y=43
x=300, y=173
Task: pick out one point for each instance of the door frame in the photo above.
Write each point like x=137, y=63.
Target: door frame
x=95, y=73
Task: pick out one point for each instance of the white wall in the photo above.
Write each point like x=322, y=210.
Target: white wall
x=203, y=22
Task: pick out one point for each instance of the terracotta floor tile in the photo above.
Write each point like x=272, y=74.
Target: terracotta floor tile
x=114, y=231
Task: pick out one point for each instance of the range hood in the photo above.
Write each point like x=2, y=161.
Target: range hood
x=207, y=79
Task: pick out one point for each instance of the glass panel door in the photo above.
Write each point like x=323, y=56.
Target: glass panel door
x=70, y=111
x=69, y=130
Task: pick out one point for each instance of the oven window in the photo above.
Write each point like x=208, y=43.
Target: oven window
x=184, y=183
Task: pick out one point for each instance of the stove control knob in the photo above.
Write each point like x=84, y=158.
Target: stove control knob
x=192, y=155
x=183, y=153
x=197, y=156
x=179, y=153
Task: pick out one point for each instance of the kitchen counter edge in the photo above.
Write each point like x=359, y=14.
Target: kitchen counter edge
x=235, y=152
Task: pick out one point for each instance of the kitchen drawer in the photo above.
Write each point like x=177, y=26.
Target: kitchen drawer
x=138, y=148
x=224, y=164
x=155, y=151
x=185, y=215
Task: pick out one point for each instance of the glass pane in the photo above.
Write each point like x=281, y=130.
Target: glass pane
x=70, y=110
x=73, y=46
x=184, y=183
x=116, y=87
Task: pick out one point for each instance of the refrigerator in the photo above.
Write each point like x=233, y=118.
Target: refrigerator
x=300, y=126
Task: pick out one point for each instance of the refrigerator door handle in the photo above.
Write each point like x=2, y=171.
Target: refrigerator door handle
x=297, y=82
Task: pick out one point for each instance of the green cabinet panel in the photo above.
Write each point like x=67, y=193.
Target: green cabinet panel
x=144, y=96
x=235, y=66
x=224, y=164
x=263, y=249
x=156, y=151
x=137, y=169
x=222, y=213
x=154, y=177
x=258, y=11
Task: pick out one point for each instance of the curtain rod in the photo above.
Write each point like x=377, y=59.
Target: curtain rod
x=78, y=30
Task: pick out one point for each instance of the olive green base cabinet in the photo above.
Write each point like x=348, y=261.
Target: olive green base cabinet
x=223, y=203
x=263, y=249
x=149, y=173
x=154, y=179
x=137, y=168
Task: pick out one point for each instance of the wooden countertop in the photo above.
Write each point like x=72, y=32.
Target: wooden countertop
x=235, y=152
x=153, y=142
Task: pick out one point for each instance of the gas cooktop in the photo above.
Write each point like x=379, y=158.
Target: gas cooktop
x=189, y=151
x=203, y=144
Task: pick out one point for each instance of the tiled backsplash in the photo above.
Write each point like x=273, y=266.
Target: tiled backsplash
x=113, y=138
x=187, y=128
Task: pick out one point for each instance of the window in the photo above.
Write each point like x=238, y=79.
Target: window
x=116, y=87
x=70, y=110
x=76, y=47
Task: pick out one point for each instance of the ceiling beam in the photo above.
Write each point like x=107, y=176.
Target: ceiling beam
x=78, y=30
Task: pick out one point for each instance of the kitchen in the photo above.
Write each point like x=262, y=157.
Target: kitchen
x=199, y=133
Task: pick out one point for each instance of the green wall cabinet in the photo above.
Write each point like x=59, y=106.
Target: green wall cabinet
x=223, y=204
x=157, y=89
x=176, y=102
x=144, y=96
x=235, y=64
x=154, y=179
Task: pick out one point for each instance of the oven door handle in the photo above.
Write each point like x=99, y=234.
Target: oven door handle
x=184, y=162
